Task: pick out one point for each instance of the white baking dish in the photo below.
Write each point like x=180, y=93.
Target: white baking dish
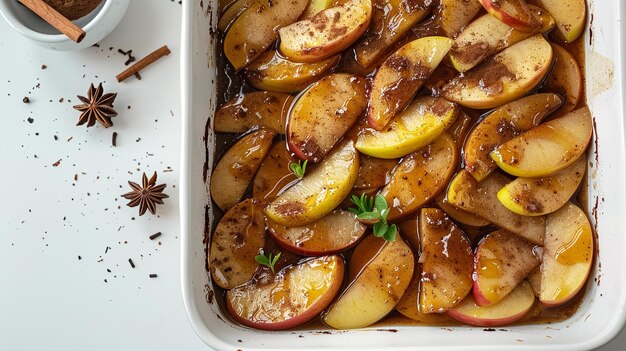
x=597, y=321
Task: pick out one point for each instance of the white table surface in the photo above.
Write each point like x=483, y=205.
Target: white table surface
x=49, y=298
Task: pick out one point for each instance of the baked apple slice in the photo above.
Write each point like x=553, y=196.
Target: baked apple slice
x=507, y=76
x=327, y=33
x=514, y=13
x=316, y=6
x=335, y=232
x=540, y=196
x=446, y=262
x=232, y=12
x=320, y=191
x=480, y=199
x=565, y=79
x=275, y=73
x=237, y=239
x=548, y=148
x=323, y=113
x=290, y=298
x=420, y=177
x=252, y=110
x=425, y=119
x=402, y=75
x=502, y=261
x=453, y=15
x=458, y=214
x=236, y=169
x=255, y=29
x=374, y=172
x=409, y=303
x=567, y=255
x=509, y=310
x=486, y=36
x=380, y=273
x=274, y=175
x=502, y=125
x=391, y=19
x=569, y=15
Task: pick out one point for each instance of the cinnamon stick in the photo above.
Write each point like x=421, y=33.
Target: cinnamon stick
x=143, y=63
x=55, y=19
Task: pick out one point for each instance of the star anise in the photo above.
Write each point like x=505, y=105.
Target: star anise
x=97, y=106
x=146, y=196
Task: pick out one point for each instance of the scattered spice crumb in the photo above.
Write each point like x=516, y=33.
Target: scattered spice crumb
x=57, y=163
x=79, y=258
x=30, y=120
x=70, y=138
x=114, y=139
x=44, y=66
x=61, y=99
x=155, y=235
x=75, y=177
x=153, y=275
x=25, y=100
x=132, y=264
x=56, y=137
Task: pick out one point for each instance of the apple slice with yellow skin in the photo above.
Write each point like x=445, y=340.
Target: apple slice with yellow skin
x=253, y=110
x=569, y=15
x=236, y=169
x=446, y=262
x=502, y=261
x=323, y=113
x=238, y=237
x=290, y=298
x=507, y=76
x=487, y=36
x=391, y=20
x=567, y=255
x=453, y=15
x=509, y=310
x=502, y=125
x=327, y=33
x=565, y=79
x=548, y=148
x=320, y=191
x=232, y=12
x=480, y=199
x=374, y=172
x=409, y=304
x=274, y=175
x=425, y=119
x=275, y=73
x=420, y=177
x=514, y=13
x=380, y=273
x=458, y=214
x=402, y=75
x=316, y=6
x=336, y=232
x=540, y=196
x=255, y=29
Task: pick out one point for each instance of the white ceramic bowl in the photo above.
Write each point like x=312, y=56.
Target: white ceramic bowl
x=97, y=25
x=602, y=312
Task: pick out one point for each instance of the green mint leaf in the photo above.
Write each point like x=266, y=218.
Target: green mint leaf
x=261, y=259
x=381, y=203
x=275, y=259
x=368, y=216
x=390, y=235
x=303, y=168
x=380, y=229
x=356, y=211
x=298, y=169
x=370, y=204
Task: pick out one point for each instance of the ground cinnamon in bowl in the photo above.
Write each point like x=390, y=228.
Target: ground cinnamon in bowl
x=74, y=9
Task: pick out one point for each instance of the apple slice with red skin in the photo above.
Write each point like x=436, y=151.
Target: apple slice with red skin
x=509, y=310
x=567, y=255
x=502, y=261
x=502, y=125
x=446, y=262
x=292, y=297
x=453, y=15
x=514, y=13
x=336, y=232
x=323, y=113
x=570, y=17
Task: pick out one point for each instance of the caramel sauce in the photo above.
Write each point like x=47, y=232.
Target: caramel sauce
x=230, y=84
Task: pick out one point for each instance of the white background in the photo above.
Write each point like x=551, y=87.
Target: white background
x=49, y=299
